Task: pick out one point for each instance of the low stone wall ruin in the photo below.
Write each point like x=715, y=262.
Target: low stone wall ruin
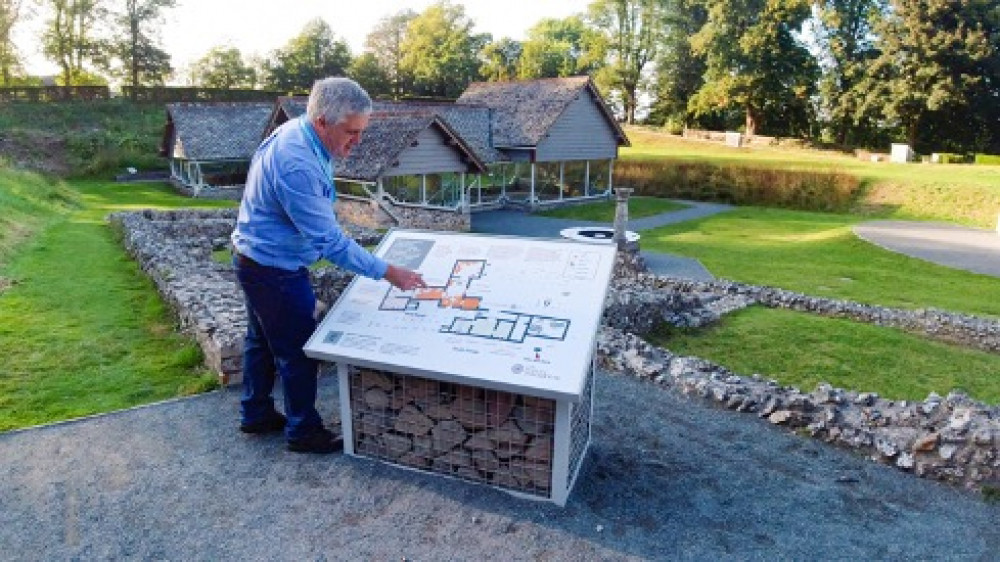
x=951, y=438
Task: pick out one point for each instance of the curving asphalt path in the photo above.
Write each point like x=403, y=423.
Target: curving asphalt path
x=521, y=223
x=667, y=478
x=972, y=249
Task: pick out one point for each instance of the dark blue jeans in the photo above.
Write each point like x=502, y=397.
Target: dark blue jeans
x=280, y=306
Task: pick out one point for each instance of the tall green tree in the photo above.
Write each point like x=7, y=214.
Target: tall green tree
x=501, y=60
x=440, y=51
x=632, y=31
x=12, y=12
x=844, y=33
x=679, y=71
x=756, y=64
x=366, y=70
x=936, y=56
x=223, y=67
x=69, y=38
x=313, y=54
x=558, y=47
x=385, y=43
x=133, y=53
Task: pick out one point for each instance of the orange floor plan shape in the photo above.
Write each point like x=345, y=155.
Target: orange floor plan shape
x=505, y=325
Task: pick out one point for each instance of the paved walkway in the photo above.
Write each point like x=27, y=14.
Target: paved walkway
x=525, y=224
x=971, y=249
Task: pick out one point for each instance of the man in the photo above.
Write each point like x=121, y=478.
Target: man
x=286, y=223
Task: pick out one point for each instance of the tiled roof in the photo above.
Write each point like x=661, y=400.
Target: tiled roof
x=525, y=110
x=219, y=131
x=286, y=108
x=386, y=137
x=472, y=123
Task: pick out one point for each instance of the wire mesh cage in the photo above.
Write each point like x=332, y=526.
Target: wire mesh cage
x=488, y=436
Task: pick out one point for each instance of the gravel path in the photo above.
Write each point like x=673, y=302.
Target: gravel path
x=666, y=479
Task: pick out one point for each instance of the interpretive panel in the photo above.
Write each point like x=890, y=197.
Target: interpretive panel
x=516, y=314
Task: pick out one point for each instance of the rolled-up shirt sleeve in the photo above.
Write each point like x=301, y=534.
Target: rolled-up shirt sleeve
x=312, y=215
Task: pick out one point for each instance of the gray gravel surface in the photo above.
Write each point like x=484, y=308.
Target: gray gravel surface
x=667, y=478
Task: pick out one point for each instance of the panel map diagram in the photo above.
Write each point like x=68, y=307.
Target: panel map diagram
x=456, y=293
x=512, y=313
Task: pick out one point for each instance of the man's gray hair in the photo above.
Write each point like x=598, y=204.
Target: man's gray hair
x=337, y=98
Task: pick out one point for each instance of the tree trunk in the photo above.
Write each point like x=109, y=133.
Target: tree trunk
x=911, y=131
x=751, y=122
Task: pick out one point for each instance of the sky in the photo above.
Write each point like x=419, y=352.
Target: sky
x=260, y=26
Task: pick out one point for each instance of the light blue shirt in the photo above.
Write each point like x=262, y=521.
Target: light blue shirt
x=286, y=218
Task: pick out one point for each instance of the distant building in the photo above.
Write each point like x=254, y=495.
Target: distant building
x=524, y=143
x=209, y=145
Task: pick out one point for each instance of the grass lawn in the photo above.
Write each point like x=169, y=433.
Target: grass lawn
x=817, y=254
x=83, y=330
x=604, y=211
x=861, y=357
x=959, y=193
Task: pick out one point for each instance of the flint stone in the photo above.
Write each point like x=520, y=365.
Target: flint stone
x=396, y=445
x=370, y=378
x=376, y=399
x=447, y=435
x=926, y=443
x=540, y=450
x=412, y=421
x=452, y=461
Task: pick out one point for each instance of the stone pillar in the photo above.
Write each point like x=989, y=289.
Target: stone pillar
x=621, y=216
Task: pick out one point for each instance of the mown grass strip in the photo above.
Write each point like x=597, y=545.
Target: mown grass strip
x=803, y=350
x=83, y=331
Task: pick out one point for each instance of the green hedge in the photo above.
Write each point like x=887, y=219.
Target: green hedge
x=988, y=159
x=951, y=158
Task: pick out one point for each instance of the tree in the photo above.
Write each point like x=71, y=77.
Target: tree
x=367, y=71
x=632, y=31
x=385, y=44
x=557, y=47
x=313, y=54
x=844, y=33
x=501, y=60
x=68, y=38
x=132, y=54
x=679, y=72
x=755, y=63
x=11, y=14
x=223, y=67
x=936, y=56
x=440, y=52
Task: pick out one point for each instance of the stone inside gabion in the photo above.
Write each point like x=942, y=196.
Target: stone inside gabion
x=489, y=436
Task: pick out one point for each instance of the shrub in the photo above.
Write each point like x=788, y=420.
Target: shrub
x=741, y=185
x=988, y=159
x=952, y=158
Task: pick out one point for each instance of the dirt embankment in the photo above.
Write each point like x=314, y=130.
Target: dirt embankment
x=39, y=151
